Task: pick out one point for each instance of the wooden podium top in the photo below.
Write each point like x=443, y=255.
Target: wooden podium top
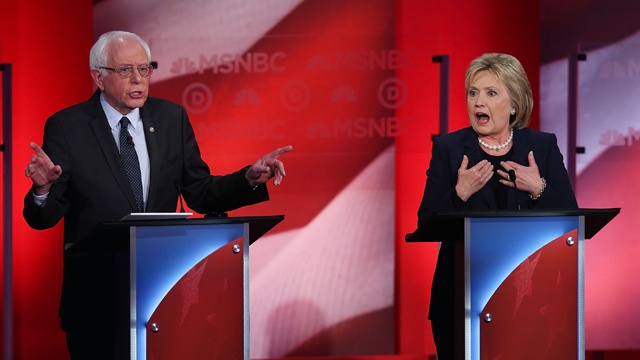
x=450, y=226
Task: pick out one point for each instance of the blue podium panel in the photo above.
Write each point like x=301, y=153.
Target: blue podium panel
x=159, y=257
x=493, y=248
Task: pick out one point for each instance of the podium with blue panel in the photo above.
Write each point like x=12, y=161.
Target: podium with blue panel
x=519, y=280
x=186, y=292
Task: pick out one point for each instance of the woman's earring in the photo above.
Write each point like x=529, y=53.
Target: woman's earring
x=513, y=111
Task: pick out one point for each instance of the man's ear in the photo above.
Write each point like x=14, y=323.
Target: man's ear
x=98, y=78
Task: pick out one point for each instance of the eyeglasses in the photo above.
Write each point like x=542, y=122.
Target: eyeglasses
x=126, y=71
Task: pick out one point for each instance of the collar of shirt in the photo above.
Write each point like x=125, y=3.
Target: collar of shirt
x=113, y=116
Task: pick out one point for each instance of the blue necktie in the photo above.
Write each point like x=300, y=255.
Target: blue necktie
x=130, y=162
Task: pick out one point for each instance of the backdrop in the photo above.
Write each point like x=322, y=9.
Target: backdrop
x=255, y=76
x=608, y=84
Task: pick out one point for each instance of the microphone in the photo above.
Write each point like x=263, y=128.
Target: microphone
x=180, y=197
x=130, y=139
x=512, y=178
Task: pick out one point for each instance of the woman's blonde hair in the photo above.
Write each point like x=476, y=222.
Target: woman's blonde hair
x=508, y=70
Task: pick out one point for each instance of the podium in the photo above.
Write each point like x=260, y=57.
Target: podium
x=519, y=281
x=182, y=286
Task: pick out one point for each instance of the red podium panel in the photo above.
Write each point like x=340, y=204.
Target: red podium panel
x=534, y=313
x=201, y=316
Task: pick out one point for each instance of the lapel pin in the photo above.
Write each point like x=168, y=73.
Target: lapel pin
x=151, y=129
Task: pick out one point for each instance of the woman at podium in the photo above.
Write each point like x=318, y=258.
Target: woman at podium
x=495, y=163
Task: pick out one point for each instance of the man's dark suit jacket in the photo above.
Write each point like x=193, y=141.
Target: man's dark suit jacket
x=440, y=195
x=93, y=189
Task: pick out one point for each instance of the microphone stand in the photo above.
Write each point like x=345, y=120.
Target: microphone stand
x=512, y=178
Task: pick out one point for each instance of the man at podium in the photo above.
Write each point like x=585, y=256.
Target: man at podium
x=118, y=153
x=496, y=163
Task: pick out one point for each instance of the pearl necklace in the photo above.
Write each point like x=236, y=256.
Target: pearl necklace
x=497, y=147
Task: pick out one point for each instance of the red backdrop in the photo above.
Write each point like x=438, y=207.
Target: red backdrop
x=48, y=44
